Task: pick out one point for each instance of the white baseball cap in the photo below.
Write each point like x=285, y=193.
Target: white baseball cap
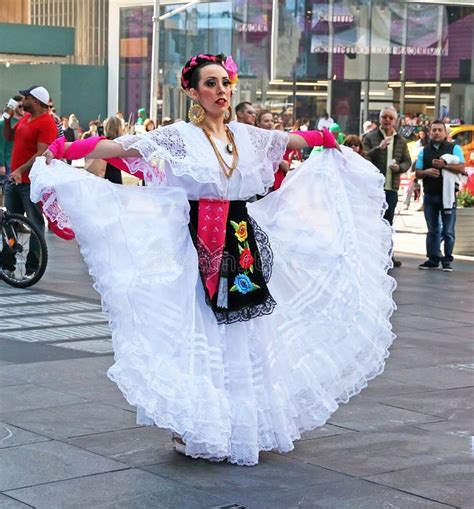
x=39, y=93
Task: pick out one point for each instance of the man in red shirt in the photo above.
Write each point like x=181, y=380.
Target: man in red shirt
x=31, y=137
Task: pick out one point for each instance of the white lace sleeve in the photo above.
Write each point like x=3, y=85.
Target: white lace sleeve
x=181, y=145
x=270, y=145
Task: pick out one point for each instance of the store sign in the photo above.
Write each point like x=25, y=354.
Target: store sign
x=380, y=50
x=337, y=18
x=254, y=28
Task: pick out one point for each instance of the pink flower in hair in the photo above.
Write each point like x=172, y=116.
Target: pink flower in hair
x=232, y=70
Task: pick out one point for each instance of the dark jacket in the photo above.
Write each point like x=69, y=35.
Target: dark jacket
x=378, y=157
x=432, y=185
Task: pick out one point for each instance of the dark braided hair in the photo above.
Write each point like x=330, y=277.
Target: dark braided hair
x=189, y=74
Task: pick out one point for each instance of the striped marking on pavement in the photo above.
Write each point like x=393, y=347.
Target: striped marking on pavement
x=44, y=335
x=43, y=309
x=47, y=320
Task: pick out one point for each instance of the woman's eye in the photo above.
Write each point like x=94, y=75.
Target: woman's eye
x=211, y=83
x=226, y=83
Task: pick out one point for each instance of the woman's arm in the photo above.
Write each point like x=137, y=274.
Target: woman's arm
x=107, y=149
x=302, y=139
x=91, y=147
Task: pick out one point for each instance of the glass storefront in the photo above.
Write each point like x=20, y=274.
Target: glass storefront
x=303, y=57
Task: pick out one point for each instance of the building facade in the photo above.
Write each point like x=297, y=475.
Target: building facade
x=303, y=57
x=60, y=44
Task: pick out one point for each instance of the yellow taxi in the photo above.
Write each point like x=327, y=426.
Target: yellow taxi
x=463, y=135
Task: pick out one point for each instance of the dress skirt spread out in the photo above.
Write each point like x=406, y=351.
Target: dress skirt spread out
x=234, y=389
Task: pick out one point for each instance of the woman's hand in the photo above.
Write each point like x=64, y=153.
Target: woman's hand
x=49, y=156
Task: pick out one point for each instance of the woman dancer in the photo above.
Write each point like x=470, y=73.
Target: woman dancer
x=235, y=325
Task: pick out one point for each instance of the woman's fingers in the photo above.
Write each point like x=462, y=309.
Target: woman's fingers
x=49, y=156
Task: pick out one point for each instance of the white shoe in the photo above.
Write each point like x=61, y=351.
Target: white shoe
x=178, y=444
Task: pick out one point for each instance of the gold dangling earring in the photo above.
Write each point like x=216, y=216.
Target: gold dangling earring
x=196, y=114
x=228, y=115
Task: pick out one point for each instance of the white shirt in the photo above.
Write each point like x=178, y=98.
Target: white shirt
x=325, y=123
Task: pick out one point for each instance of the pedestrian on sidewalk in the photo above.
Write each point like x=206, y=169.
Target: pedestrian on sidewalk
x=6, y=146
x=235, y=325
x=31, y=136
x=439, y=164
x=388, y=151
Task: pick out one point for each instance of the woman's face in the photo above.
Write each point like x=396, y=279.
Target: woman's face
x=354, y=146
x=266, y=121
x=214, y=90
x=150, y=126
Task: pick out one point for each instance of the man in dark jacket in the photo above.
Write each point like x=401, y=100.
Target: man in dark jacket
x=388, y=151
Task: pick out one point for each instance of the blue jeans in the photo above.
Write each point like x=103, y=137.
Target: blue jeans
x=441, y=226
x=17, y=201
x=391, y=197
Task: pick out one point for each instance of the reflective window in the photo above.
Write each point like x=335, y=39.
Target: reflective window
x=457, y=60
x=135, y=59
x=464, y=138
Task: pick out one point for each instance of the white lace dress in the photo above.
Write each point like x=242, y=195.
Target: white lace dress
x=234, y=390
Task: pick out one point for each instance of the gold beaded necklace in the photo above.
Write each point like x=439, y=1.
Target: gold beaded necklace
x=231, y=147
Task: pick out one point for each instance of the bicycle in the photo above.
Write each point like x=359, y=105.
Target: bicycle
x=23, y=250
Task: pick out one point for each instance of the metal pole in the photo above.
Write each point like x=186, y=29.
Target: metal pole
x=330, y=57
x=155, y=64
x=403, y=61
x=439, y=48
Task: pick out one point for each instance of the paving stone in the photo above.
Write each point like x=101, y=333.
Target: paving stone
x=11, y=436
x=134, y=447
x=363, y=454
x=444, y=403
x=448, y=482
x=32, y=464
x=429, y=311
x=92, y=345
x=364, y=415
x=351, y=494
x=15, y=398
x=435, y=338
x=72, y=420
x=130, y=489
x=21, y=352
x=413, y=355
x=436, y=377
x=466, y=331
x=7, y=502
x=421, y=322
x=7, y=379
x=229, y=482
x=65, y=374
x=382, y=387
x=460, y=423
x=328, y=430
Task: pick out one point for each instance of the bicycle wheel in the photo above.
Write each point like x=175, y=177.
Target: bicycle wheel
x=24, y=253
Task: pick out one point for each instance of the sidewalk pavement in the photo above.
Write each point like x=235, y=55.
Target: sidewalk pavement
x=410, y=232
x=68, y=439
